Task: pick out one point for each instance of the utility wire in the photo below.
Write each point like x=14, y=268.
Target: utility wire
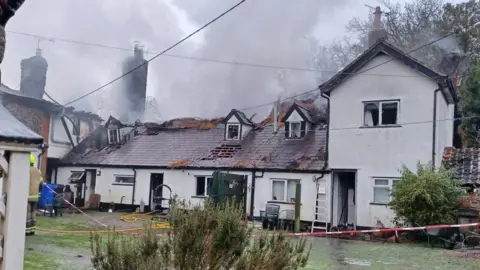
x=161, y=53
x=353, y=73
x=207, y=59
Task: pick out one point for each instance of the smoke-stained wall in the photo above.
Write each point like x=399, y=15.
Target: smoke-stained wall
x=133, y=96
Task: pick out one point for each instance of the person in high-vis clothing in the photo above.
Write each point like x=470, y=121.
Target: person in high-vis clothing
x=33, y=196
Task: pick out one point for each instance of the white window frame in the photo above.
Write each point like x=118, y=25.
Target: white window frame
x=115, y=182
x=205, y=188
x=380, y=109
x=290, y=132
x=227, y=134
x=76, y=179
x=110, y=136
x=391, y=181
x=285, y=189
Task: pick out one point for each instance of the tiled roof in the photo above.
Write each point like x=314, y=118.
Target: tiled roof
x=464, y=162
x=12, y=130
x=202, y=147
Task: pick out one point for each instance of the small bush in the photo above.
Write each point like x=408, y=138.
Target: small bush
x=203, y=237
x=427, y=197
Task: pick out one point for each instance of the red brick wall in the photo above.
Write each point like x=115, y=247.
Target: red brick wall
x=35, y=118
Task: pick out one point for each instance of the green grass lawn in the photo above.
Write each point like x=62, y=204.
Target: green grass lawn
x=58, y=250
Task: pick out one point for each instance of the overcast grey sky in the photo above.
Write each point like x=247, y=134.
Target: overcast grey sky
x=269, y=32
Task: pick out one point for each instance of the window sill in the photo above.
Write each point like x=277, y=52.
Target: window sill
x=380, y=204
x=385, y=126
x=200, y=197
x=280, y=202
x=126, y=185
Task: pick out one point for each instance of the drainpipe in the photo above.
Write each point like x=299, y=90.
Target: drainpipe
x=134, y=184
x=434, y=127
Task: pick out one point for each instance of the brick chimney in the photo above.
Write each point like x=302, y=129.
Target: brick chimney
x=377, y=33
x=33, y=75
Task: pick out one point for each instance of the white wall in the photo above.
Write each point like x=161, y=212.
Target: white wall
x=380, y=152
x=183, y=184
x=58, y=141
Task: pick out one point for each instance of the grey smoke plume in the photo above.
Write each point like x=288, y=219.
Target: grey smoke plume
x=267, y=32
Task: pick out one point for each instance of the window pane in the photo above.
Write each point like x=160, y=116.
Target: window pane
x=209, y=186
x=291, y=188
x=389, y=113
x=278, y=190
x=124, y=179
x=371, y=114
x=295, y=130
x=381, y=182
x=233, y=131
x=381, y=195
x=200, y=186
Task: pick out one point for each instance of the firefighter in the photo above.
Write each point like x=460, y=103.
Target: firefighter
x=33, y=196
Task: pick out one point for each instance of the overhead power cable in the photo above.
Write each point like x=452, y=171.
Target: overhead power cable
x=207, y=59
x=161, y=53
x=353, y=73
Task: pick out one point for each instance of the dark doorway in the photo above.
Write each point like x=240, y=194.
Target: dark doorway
x=344, y=198
x=156, y=191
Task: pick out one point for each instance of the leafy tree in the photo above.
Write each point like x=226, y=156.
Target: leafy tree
x=208, y=237
x=427, y=197
x=470, y=106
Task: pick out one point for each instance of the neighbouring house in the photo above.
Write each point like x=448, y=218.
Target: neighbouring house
x=126, y=164
x=386, y=109
x=16, y=143
x=61, y=127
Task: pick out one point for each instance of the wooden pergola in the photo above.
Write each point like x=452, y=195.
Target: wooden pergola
x=16, y=143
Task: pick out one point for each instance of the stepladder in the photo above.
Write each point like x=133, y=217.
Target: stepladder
x=320, y=217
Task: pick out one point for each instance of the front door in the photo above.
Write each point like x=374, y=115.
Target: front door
x=156, y=191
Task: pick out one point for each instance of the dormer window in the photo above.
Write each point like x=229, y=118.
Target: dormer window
x=295, y=130
x=113, y=136
x=233, y=132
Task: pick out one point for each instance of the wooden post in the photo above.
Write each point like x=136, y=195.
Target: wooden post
x=298, y=199
x=13, y=228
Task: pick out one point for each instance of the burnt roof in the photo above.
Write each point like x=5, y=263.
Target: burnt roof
x=12, y=130
x=45, y=104
x=385, y=48
x=464, y=162
x=240, y=116
x=198, y=147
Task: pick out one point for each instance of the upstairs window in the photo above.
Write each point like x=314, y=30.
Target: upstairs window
x=295, y=130
x=233, y=132
x=113, y=136
x=380, y=113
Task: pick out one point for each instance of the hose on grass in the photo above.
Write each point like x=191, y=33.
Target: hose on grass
x=157, y=223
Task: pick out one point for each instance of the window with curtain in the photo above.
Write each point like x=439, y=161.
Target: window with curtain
x=284, y=190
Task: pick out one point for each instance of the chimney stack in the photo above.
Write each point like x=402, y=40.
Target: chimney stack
x=377, y=33
x=133, y=98
x=33, y=75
